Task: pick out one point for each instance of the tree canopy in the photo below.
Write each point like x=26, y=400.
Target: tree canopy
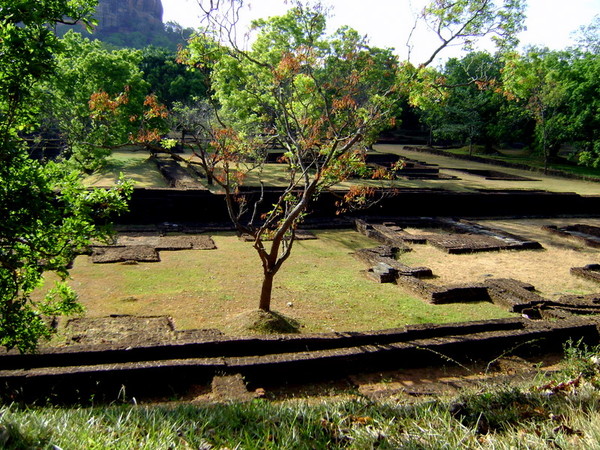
x=559, y=90
x=87, y=82
x=47, y=216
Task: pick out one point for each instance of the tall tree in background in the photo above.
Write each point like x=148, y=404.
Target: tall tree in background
x=94, y=100
x=464, y=22
x=538, y=78
x=170, y=81
x=475, y=111
x=47, y=216
x=584, y=107
x=588, y=37
x=584, y=101
x=459, y=23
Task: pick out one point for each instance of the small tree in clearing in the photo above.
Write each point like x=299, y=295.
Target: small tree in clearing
x=318, y=97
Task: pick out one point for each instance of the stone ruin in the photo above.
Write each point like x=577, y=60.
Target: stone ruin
x=513, y=295
x=461, y=236
x=586, y=234
x=177, y=176
x=242, y=367
x=410, y=169
x=148, y=356
x=144, y=246
x=299, y=235
x=589, y=272
x=494, y=175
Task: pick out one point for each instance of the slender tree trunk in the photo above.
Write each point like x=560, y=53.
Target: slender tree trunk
x=208, y=172
x=544, y=145
x=266, y=291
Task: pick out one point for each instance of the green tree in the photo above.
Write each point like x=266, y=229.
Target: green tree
x=584, y=106
x=317, y=97
x=170, y=80
x=197, y=121
x=95, y=100
x=322, y=99
x=475, y=110
x=47, y=216
x=456, y=23
x=539, y=78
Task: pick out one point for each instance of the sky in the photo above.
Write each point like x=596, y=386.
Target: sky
x=387, y=23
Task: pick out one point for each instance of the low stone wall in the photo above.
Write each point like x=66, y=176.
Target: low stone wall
x=513, y=295
x=464, y=236
x=79, y=374
x=177, y=176
x=386, y=269
x=437, y=295
x=203, y=207
x=590, y=272
x=586, y=234
x=383, y=234
x=385, y=256
x=495, y=162
x=145, y=246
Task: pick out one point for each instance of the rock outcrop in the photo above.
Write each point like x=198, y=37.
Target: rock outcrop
x=122, y=16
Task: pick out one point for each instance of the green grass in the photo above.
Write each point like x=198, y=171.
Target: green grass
x=134, y=165
x=322, y=281
x=530, y=159
x=551, y=412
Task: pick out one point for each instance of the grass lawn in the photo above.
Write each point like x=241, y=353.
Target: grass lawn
x=134, y=165
x=466, y=182
x=208, y=289
x=557, y=257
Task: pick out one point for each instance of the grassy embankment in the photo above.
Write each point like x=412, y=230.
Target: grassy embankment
x=557, y=411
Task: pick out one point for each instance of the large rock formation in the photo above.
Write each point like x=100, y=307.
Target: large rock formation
x=133, y=24
x=123, y=16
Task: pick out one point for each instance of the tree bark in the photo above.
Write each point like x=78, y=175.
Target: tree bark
x=266, y=290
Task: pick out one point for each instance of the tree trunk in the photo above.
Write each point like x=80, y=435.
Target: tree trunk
x=207, y=172
x=266, y=291
x=209, y=178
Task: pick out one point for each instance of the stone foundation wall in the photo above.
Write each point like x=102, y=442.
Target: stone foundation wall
x=78, y=374
x=194, y=205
